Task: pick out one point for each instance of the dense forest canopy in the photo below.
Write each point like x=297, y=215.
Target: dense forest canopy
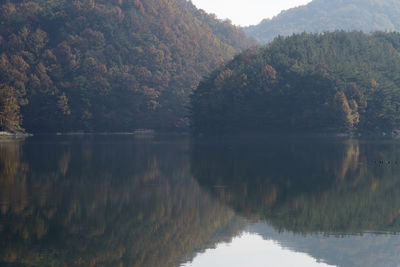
x=329, y=15
x=332, y=82
x=96, y=65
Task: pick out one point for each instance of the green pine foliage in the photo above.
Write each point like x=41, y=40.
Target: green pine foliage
x=332, y=82
x=106, y=65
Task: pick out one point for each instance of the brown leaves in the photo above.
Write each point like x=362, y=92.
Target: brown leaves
x=349, y=116
x=268, y=78
x=222, y=78
x=10, y=117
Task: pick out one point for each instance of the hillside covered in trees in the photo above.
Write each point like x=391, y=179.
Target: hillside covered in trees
x=332, y=82
x=96, y=65
x=330, y=15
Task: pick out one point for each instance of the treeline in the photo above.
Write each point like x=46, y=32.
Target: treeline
x=89, y=65
x=331, y=82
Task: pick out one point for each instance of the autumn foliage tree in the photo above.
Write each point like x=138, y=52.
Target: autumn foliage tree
x=106, y=65
x=10, y=117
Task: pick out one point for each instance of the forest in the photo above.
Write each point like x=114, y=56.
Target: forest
x=118, y=66
x=97, y=65
x=340, y=82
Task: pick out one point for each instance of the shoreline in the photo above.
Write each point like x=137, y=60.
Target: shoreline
x=4, y=135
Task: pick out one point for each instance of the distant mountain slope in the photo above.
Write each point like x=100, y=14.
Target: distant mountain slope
x=97, y=65
x=330, y=15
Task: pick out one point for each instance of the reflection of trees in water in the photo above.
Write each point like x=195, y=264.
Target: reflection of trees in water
x=306, y=186
x=349, y=162
x=93, y=203
x=12, y=179
x=113, y=204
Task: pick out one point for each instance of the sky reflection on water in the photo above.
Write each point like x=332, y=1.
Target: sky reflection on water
x=251, y=249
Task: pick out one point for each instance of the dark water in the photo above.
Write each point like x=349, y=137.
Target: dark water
x=172, y=201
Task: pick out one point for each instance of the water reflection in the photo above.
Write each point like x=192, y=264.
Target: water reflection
x=367, y=249
x=164, y=202
x=252, y=250
x=306, y=186
x=104, y=202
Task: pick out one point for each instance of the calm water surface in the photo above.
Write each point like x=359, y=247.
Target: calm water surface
x=171, y=201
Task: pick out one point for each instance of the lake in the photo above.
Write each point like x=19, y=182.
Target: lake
x=174, y=201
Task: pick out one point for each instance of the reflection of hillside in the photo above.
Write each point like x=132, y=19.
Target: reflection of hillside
x=306, y=185
x=90, y=203
x=367, y=250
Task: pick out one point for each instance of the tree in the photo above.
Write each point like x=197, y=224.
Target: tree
x=10, y=117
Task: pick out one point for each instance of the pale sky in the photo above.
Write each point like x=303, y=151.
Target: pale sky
x=247, y=12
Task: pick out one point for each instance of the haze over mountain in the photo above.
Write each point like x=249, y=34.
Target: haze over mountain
x=330, y=15
x=101, y=65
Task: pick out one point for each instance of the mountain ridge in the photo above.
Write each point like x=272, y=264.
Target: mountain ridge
x=321, y=15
